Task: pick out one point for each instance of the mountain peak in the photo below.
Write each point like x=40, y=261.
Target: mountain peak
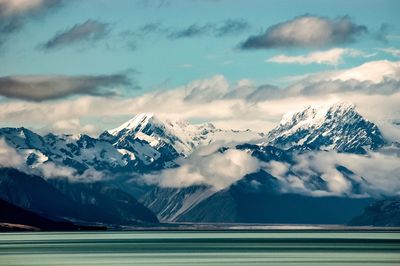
x=314, y=115
x=176, y=137
x=132, y=124
x=327, y=127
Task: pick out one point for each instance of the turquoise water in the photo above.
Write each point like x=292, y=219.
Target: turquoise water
x=200, y=248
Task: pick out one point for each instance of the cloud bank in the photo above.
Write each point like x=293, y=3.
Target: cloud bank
x=306, y=31
x=374, y=88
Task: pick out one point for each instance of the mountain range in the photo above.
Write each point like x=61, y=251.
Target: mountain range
x=120, y=178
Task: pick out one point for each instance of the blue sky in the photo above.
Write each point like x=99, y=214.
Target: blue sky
x=164, y=63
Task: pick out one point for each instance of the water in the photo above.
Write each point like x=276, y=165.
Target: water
x=200, y=248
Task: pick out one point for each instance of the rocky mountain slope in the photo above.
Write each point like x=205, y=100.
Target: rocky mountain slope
x=333, y=127
x=74, y=201
x=380, y=213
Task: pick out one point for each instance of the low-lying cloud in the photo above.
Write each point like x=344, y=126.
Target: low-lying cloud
x=374, y=174
x=41, y=87
x=314, y=173
x=10, y=157
x=306, y=31
x=207, y=166
x=90, y=30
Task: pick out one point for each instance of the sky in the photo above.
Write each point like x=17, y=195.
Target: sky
x=87, y=66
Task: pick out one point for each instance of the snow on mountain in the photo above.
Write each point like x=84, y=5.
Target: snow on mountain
x=143, y=143
x=160, y=133
x=22, y=138
x=159, y=141
x=329, y=127
x=78, y=151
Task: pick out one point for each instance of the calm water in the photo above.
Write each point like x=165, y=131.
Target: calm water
x=200, y=248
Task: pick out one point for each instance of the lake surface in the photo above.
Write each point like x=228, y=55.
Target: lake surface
x=200, y=248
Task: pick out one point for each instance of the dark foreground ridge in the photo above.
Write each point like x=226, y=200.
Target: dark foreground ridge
x=14, y=218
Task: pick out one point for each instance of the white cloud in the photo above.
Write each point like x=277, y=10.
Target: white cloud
x=10, y=157
x=329, y=57
x=207, y=166
x=306, y=31
x=375, y=71
x=377, y=173
x=71, y=126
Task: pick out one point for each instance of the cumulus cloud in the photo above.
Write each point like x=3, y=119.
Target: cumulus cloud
x=15, y=14
x=306, y=31
x=207, y=166
x=329, y=57
x=374, y=174
x=89, y=30
x=40, y=87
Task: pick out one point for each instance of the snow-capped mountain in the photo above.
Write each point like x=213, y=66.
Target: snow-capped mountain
x=144, y=143
x=335, y=127
x=155, y=139
x=330, y=127
x=178, y=137
x=148, y=143
x=77, y=151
